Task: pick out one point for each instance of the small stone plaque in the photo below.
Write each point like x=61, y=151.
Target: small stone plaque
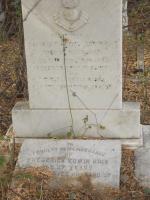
x=100, y=160
x=142, y=161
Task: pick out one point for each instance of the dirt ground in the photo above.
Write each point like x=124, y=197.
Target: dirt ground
x=136, y=82
x=34, y=183
x=12, y=79
x=9, y=51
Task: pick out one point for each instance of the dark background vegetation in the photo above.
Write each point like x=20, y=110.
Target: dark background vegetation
x=13, y=81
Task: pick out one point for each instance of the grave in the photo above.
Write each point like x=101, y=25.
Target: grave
x=74, y=69
x=100, y=160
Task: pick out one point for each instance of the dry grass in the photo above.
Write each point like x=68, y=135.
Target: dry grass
x=10, y=61
x=136, y=86
x=39, y=184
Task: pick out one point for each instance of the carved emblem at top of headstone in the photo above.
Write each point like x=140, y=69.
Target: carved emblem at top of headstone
x=70, y=3
x=70, y=16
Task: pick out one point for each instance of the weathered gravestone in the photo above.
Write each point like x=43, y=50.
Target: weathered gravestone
x=100, y=160
x=142, y=161
x=142, y=166
x=74, y=63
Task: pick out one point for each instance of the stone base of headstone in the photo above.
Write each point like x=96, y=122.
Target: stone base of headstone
x=126, y=143
x=112, y=123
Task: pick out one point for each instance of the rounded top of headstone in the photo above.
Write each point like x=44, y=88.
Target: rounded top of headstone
x=70, y=3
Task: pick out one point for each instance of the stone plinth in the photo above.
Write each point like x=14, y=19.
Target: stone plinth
x=96, y=123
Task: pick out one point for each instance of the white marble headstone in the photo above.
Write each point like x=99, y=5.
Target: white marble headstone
x=73, y=158
x=76, y=50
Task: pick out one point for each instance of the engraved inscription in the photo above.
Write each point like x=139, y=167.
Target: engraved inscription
x=74, y=158
x=84, y=69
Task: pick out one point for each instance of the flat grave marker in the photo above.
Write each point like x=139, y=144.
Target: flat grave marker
x=100, y=160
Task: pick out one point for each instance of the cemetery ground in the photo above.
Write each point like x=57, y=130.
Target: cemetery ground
x=33, y=183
